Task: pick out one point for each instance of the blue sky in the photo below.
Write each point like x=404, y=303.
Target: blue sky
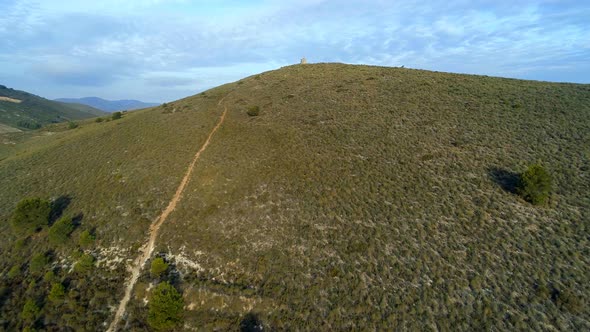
x=162, y=50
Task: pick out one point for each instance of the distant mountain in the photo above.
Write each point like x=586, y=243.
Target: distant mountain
x=22, y=110
x=109, y=105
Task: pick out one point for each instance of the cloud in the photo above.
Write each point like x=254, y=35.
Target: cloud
x=167, y=48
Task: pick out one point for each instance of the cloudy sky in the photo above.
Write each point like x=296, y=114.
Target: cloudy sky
x=162, y=50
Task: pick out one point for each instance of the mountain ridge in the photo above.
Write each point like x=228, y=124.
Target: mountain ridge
x=25, y=111
x=109, y=105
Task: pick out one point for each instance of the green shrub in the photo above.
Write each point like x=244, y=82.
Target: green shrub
x=84, y=264
x=30, y=214
x=61, y=230
x=535, y=184
x=20, y=243
x=253, y=111
x=13, y=272
x=86, y=239
x=57, y=292
x=30, y=311
x=72, y=125
x=116, y=115
x=49, y=276
x=165, y=308
x=98, y=120
x=38, y=263
x=158, y=267
x=28, y=124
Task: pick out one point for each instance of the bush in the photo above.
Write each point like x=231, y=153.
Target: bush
x=253, y=111
x=158, y=267
x=49, y=276
x=84, y=264
x=61, y=230
x=13, y=272
x=30, y=311
x=86, y=239
x=30, y=214
x=28, y=124
x=57, y=292
x=98, y=120
x=116, y=115
x=165, y=308
x=535, y=184
x=38, y=263
x=72, y=125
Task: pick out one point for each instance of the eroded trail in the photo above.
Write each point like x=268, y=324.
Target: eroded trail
x=148, y=247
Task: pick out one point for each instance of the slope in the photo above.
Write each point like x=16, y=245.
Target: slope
x=109, y=105
x=359, y=198
x=27, y=111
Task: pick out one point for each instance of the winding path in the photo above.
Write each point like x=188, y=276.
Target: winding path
x=155, y=228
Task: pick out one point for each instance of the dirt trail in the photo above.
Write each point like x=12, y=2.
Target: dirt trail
x=148, y=248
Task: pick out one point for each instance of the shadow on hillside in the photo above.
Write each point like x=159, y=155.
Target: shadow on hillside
x=58, y=206
x=251, y=323
x=77, y=219
x=506, y=179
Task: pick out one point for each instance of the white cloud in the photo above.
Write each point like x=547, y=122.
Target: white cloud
x=137, y=45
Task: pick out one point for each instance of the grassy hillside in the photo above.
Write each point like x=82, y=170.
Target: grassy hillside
x=23, y=110
x=359, y=198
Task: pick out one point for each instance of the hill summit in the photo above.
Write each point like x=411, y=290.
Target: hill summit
x=313, y=197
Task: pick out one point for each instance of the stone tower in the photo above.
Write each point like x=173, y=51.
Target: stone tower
x=303, y=61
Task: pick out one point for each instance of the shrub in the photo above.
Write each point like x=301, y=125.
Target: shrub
x=116, y=115
x=30, y=311
x=72, y=125
x=13, y=272
x=61, y=230
x=98, y=120
x=30, y=214
x=38, y=263
x=158, y=267
x=86, y=239
x=535, y=184
x=57, y=292
x=165, y=308
x=84, y=264
x=49, y=276
x=253, y=111
x=28, y=124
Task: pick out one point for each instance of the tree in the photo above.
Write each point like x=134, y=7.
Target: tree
x=30, y=311
x=117, y=115
x=61, y=230
x=14, y=272
x=86, y=239
x=38, y=263
x=158, y=267
x=57, y=292
x=535, y=184
x=253, y=111
x=165, y=308
x=84, y=264
x=30, y=214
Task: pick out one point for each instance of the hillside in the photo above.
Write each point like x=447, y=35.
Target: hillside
x=359, y=198
x=109, y=105
x=22, y=110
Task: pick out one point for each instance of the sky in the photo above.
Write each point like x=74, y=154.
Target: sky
x=163, y=50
